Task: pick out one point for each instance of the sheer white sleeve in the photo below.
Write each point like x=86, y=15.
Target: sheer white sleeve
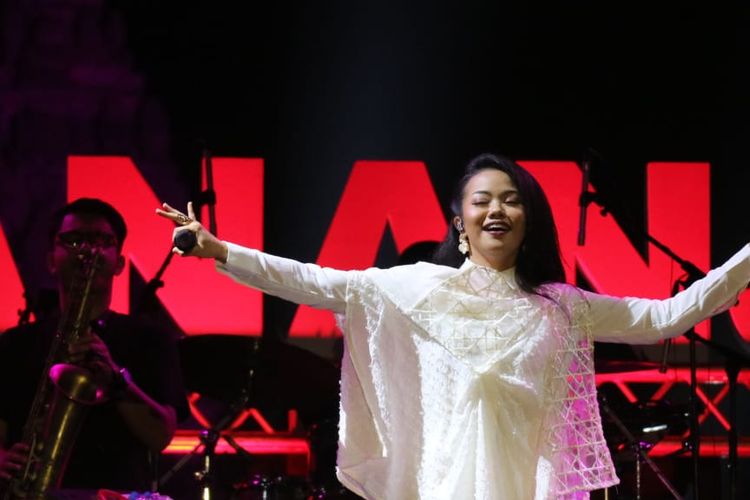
x=310, y=284
x=637, y=321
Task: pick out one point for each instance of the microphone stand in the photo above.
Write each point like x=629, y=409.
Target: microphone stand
x=148, y=296
x=692, y=274
x=206, y=197
x=733, y=359
x=639, y=451
x=587, y=197
x=209, y=438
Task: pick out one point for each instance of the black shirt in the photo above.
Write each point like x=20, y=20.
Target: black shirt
x=105, y=454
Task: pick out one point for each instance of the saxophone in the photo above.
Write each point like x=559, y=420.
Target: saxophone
x=62, y=398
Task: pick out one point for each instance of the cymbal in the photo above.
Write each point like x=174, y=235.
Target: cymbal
x=271, y=373
x=649, y=422
x=618, y=366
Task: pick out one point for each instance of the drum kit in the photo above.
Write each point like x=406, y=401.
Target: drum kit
x=632, y=429
x=240, y=373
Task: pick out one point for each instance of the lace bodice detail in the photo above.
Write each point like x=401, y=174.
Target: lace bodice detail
x=477, y=316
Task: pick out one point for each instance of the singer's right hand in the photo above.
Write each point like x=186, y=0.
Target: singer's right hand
x=208, y=246
x=12, y=460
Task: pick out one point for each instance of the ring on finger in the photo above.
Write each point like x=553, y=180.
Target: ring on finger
x=184, y=219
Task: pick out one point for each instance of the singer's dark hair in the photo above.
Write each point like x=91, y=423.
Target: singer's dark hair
x=539, y=259
x=92, y=207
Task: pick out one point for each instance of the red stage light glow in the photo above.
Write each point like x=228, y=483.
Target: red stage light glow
x=11, y=293
x=395, y=194
x=185, y=441
x=228, y=308
x=380, y=194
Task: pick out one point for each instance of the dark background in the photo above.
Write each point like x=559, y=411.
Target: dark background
x=311, y=87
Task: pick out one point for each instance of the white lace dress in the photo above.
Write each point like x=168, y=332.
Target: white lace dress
x=456, y=384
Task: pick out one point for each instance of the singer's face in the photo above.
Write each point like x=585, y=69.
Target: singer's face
x=79, y=235
x=494, y=219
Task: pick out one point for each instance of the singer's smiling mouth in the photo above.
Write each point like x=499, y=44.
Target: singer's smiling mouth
x=496, y=227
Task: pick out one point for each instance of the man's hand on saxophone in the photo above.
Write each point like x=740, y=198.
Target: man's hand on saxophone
x=92, y=353
x=12, y=460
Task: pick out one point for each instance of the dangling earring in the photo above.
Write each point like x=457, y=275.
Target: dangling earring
x=463, y=243
x=463, y=239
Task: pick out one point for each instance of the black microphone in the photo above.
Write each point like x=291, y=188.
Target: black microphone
x=583, y=200
x=185, y=240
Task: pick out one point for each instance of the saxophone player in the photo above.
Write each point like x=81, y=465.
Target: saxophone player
x=136, y=363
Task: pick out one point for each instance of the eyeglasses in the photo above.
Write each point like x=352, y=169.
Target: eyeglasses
x=74, y=240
